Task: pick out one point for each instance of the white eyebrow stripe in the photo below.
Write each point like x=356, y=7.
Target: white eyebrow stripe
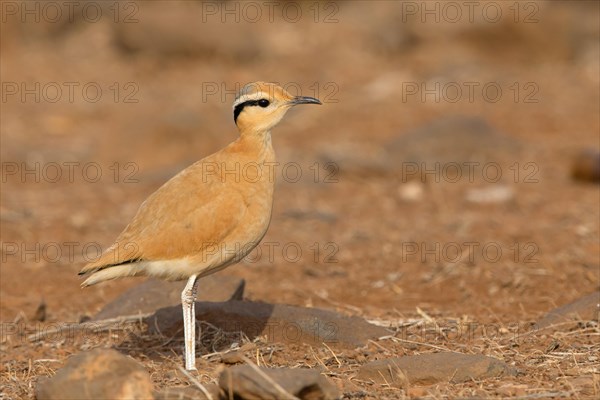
x=250, y=96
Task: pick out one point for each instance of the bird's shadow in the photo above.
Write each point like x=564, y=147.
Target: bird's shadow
x=220, y=326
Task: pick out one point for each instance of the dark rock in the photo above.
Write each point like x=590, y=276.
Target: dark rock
x=97, y=374
x=362, y=160
x=154, y=294
x=40, y=312
x=452, y=142
x=586, y=166
x=278, y=322
x=586, y=308
x=244, y=382
x=427, y=369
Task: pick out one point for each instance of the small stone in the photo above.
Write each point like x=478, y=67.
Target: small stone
x=411, y=191
x=244, y=382
x=233, y=357
x=490, y=195
x=97, y=374
x=427, y=369
x=586, y=308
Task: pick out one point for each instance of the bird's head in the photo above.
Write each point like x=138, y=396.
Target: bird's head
x=260, y=106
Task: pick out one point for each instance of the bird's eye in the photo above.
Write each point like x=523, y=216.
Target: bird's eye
x=263, y=103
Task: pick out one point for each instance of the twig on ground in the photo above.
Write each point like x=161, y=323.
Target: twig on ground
x=196, y=382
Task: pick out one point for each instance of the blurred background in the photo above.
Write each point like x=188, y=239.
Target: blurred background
x=103, y=102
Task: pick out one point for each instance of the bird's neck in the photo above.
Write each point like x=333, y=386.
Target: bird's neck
x=256, y=145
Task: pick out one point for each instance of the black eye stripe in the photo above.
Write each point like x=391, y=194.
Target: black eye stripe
x=238, y=109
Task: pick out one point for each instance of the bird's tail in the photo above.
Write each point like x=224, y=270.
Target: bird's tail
x=114, y=272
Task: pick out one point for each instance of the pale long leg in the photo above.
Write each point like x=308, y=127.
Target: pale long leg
x=188, y=300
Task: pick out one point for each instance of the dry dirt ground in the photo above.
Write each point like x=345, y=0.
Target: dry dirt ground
x=118, y=104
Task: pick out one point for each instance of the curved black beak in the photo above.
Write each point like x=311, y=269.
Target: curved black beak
x=304, y=100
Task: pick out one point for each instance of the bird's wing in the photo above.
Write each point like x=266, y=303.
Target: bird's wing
x=187, y=215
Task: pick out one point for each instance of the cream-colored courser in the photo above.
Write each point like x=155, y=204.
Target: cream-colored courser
x=211, y=214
